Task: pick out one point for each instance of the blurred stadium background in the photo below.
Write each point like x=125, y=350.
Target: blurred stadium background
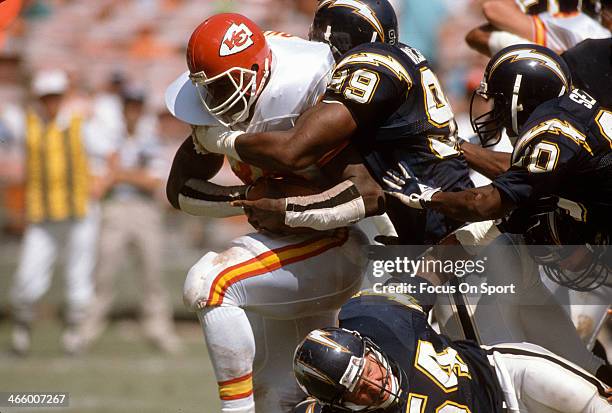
x=143, y=43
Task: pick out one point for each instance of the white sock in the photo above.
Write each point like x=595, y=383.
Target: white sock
x=231, y=347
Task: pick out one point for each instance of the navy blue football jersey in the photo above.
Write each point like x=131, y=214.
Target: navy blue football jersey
x=435, y=371
x=402, y=116
x=565, y=150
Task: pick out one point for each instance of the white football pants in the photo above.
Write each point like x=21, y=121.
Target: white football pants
x=534, y=380
x=259, y=298
x=41, y=246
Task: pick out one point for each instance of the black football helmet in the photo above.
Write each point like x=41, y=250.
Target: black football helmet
x=344, y=24
x=517, y=79
x=329, y=362
x=533, y=7
x=564, y=6
x=555, y=237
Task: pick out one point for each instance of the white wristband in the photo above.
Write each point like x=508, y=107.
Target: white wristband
x=477, y=234
x=499, y=40
x=199, y=207
x=221, y=141
x=203, y=198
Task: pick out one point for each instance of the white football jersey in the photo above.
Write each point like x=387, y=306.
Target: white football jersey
x=561, y=31
x=299, y=76
x=300, y=71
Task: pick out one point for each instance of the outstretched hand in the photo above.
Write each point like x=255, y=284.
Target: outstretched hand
x=396, y=181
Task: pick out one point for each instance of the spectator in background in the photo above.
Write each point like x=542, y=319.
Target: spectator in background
x=132, y=215
x=419, y=23
x=559, y=29
x=12, y=120
x=60, y=213
x=107, y=107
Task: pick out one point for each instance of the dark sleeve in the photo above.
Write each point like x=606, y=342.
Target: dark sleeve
x=590, y=63
x=371, y=93
x=538, y=169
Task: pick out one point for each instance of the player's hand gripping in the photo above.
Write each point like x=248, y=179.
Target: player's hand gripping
x=265, y=213
x=397, y=180
x=215, y=139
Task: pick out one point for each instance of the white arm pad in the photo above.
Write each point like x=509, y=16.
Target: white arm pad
x=203, y=198
x=477, y=234
x=217, y=139
x=337, y=207
x=499, y=40
x=198, y=207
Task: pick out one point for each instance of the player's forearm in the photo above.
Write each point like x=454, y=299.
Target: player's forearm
x=337, y=207
x=487, y=162
x=347, y=164
x=188, y=164
x=372, y=195
x=478, y=204
x=271, y=150
x=507, y=16
x=202, y=198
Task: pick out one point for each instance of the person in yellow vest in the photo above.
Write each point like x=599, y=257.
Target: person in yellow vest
x=59, y=213
x=132, y=216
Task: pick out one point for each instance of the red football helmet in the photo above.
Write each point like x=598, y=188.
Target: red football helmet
x=229, y=63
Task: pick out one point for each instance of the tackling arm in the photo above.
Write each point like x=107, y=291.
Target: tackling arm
x=478, y=204
x=348, y=165
x=487, y=162
x=318, y=131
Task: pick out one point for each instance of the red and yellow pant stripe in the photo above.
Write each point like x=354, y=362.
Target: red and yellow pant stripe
x=272, y=260
x=237, y=388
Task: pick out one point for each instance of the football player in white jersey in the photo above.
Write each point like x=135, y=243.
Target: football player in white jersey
x=256, y=299
x=561, y=26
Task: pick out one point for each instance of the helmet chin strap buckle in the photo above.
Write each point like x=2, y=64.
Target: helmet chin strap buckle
x=515, y=107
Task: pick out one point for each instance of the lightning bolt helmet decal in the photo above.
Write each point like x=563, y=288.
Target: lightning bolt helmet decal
x=345, y=24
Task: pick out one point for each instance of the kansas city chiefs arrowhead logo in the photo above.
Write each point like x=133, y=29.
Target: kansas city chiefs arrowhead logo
x=236, y=39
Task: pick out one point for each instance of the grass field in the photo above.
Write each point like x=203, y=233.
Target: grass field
x=121, y=373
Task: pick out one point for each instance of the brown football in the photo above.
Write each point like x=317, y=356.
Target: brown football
x=276, y=188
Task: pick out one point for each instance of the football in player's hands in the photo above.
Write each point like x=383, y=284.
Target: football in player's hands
x=276, y=188
x=265, y=206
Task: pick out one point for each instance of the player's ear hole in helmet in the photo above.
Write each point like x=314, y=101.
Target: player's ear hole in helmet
x=229, y=63
x=348, y=23
x=517, y=80
x=341, y=369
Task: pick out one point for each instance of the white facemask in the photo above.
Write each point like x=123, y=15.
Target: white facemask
x=394, y=388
